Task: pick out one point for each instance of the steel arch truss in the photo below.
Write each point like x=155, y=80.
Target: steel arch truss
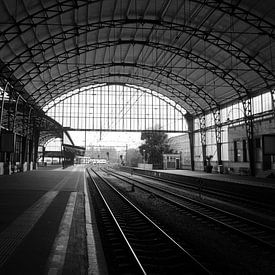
x=211, y=38
x=218, y=71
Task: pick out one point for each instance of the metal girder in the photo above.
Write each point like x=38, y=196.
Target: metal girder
x=109, y=65
x=51, y=11
x=6, y=76
x=144, y=79
x=206, y=35
x=273, y=102
x=218, y=134
x=248, y=117
x=235, y=10
x=29, y=122
x=217, y=120
x=202, y=121
x=2, y=104
x=204, y=63
x=165, y=73
x=18, y=108
x=235, y=85
x=15, y=112
x=190, y=124
x=113, y=83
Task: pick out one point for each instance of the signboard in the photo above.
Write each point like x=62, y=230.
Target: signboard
x=269, y=144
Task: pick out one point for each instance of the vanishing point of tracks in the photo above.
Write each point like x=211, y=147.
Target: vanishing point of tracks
x=253, y=231
x=132, y=243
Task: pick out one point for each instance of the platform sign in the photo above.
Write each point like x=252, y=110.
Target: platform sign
x=7, y=142
x=269, y=144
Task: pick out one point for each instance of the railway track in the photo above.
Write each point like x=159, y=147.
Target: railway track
x=133, y=243
x=253, y=231
x=198, y=186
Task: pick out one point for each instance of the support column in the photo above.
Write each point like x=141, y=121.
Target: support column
x=190, y=123
x=29, y=142
x=249, y=132
x=31, y=154
x=36, y=143
x=273, y=103
x=203, y=138
x=2, y=105
x=218, y=132
x=14, y=133
x=43, y=154
x=2, y=154
x=24, y=154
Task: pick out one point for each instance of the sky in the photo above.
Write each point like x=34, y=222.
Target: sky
x=116, y=139
x=131, y=139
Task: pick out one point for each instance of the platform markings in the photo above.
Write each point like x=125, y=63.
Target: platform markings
x=13, y=235
x=96, y=261
x=57, y=257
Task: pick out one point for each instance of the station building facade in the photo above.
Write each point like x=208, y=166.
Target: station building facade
x=235, y=157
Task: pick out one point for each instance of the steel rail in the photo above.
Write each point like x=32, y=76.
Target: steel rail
x=212, y=191
x=208, y=207
x=185, y=253
x=117, y=224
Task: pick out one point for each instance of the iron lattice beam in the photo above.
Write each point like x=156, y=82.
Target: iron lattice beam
x=74, y=73
x=235, y=10
x=50, y=12
x=273, y=102
x=179, y=80
x=202, y=121
x=143, y=79
x=218, y=133
x=206, y=35
x=199, y=31
x=223, y=74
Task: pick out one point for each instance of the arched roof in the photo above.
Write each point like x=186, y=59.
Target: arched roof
x=201, y=54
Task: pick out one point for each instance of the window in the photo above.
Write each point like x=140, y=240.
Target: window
x=118, y=107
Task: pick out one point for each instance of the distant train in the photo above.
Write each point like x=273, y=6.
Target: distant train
x=98, y=161
x=86, y=160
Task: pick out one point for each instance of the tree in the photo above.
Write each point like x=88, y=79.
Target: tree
x=156, y=144
x=133, y=157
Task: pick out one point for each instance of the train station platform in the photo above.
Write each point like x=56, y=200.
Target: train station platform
x=230, y=178
x=233, y=179
x=44, y=216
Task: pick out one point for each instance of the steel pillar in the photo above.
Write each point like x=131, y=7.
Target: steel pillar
x=218, y=132
x=2, y=105
x=203, y=138
x=273, y=103
x=249, y=132
x=36, y=143
x=190, y=123
x=24, y=152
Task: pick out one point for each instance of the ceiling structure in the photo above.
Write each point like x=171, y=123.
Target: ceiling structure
x=201, y=54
